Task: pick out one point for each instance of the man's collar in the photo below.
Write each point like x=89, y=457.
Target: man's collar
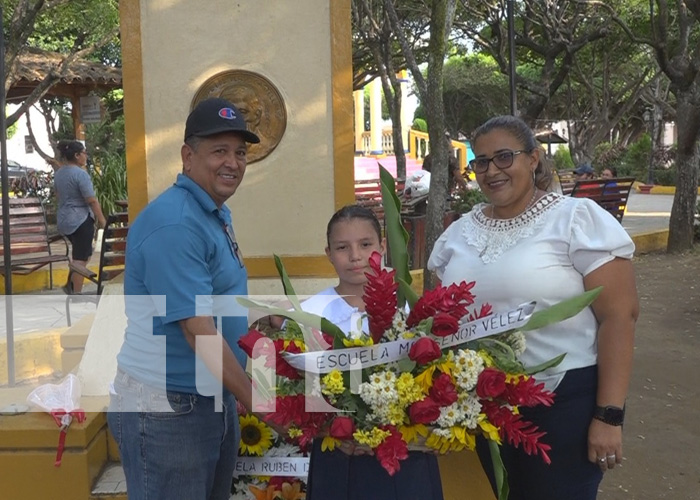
x=199, y=194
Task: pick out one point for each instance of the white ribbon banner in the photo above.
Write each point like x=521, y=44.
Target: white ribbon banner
x=355, y=358
x=272, y=466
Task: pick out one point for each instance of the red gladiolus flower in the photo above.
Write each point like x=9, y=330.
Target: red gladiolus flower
x=444, y=325
x=426, y=411
x=342, y=428
x=283, y=368
x=247, y=342
x=491, y=383
x=424, y=350
x=379, y=297
x=392, y=450
x=452, y=300
x=443, y=391
x=525, y=391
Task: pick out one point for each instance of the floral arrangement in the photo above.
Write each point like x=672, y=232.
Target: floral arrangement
x=430, y=379
x=254, y=479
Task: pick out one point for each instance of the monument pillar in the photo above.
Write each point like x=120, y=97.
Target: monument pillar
x=176, y=53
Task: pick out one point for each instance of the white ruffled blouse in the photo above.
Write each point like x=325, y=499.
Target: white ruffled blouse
x=543, y=255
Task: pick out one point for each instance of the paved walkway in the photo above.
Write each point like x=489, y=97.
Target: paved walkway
x=647, y=212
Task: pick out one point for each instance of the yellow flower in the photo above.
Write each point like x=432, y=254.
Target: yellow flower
x=299, y=343
x=490, y=430
x=372, y=438
x=329, y=443
x=425, y=379
x=256, y=437
x=488, y=360
x=360, y=341
x=448, y=366
x=333, y=383
x=457, y=440
x=294, y=432
x=411, y=433
x=396, y=413
x=409, y=391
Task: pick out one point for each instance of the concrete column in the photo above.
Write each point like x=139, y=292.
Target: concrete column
x=375, y=117
x=359, y=99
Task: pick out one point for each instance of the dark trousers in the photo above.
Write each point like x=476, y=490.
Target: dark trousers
x=570, y=476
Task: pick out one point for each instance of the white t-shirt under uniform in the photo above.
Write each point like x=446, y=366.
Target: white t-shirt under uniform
x=542, y=255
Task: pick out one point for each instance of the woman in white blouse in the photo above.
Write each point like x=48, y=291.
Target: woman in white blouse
x=530, y=244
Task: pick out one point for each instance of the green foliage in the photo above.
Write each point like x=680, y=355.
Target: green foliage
x=665, y=176
x=420, y=124
x=109, y=179
x=465, y=199
x=474, y=90
x=562, y=159
x=78, y=24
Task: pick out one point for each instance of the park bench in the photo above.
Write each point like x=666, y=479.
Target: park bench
x=611, y=194
x=567, y=180
x=30, y=241
x=112, y=260
x=368, y=193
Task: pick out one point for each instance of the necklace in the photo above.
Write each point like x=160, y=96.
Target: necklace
x=528, y=207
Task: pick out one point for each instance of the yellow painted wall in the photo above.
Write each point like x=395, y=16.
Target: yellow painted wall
x=304, y=48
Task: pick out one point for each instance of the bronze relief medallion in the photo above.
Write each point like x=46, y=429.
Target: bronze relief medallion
x=259, y=102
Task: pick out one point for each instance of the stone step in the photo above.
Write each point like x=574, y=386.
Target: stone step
x=110, y=484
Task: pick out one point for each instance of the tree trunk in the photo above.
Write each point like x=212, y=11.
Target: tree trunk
x=680, y=236
x=437, y=195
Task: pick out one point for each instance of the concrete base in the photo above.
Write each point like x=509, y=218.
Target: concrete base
x=28, y=451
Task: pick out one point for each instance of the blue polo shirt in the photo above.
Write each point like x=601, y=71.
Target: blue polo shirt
x=182, y=260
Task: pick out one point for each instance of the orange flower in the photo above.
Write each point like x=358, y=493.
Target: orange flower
x=269, y=493
x=292, y=491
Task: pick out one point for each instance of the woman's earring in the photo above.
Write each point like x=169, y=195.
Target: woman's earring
x=534, y=177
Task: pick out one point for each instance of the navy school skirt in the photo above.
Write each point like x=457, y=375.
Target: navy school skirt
x=333, y=475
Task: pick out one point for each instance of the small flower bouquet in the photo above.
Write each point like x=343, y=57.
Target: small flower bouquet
x=268, y=466
x=430, y=379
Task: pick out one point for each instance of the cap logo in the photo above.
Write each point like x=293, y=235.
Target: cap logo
x=227, y=113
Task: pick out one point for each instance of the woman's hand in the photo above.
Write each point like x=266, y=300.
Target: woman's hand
x=604, y=445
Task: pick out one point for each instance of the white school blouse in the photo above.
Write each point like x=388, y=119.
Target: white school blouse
x=542, y=255
x=334, y=308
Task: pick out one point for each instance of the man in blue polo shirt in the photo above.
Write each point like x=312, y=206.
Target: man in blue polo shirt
x=178, y=436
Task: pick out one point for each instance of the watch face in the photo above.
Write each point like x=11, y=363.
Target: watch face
x=611, y=415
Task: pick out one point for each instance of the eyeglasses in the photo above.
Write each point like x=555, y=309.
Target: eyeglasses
x=233, y=244
x=502, y=160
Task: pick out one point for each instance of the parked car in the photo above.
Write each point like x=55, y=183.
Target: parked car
x=15, y=170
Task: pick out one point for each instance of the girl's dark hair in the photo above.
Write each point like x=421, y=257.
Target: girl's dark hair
x=522, y=132
x=613, y=170
x=349, y=212
x=70, y=149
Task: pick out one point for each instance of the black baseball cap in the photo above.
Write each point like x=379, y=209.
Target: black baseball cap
x=215, y=116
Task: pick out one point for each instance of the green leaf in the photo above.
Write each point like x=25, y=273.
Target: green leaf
x=408, y=293
x=543, y=366
x=561, y=311
x=499, y=471
x=286, y=283
x=396, y=234
x=303, y=317
x=406, y=365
